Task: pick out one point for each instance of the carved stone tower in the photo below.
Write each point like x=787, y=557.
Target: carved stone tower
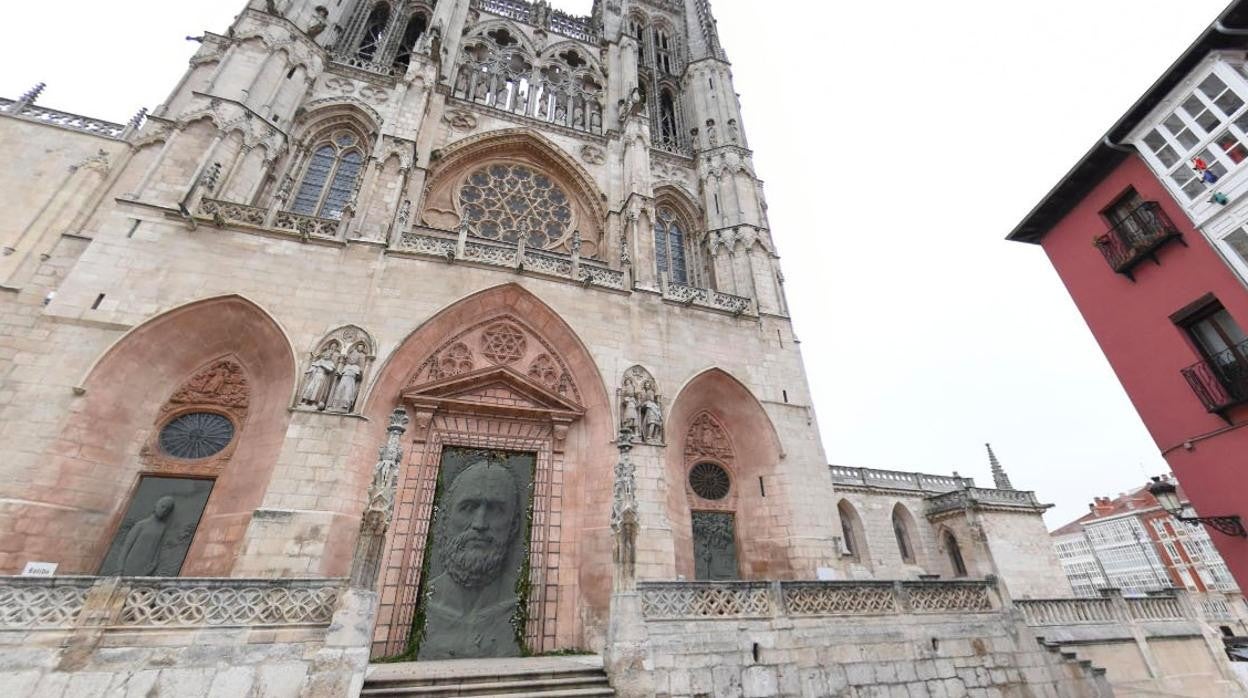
x=536, y=234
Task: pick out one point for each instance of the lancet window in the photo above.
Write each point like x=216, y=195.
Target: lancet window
x=901, y=530
x=383, y=34
x=670, y=246
x=658, y=63
x=505, y=201
x=330, y=176
x=374, y=32
x=563, y=88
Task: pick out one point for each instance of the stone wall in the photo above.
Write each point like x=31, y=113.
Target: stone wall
x=142, y=637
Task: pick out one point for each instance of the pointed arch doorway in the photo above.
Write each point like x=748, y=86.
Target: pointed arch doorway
x=481, y=491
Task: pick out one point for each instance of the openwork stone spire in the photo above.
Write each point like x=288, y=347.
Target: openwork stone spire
x=624, y=514
x=999, y=478
x=380, y=507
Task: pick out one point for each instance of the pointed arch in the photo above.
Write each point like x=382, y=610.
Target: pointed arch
x=523, y=42
x=749, y=436
x=444, y=208
x=955, y=556
x=906, y=534
x=584, y=449
x=125, y=398
x=854, y=541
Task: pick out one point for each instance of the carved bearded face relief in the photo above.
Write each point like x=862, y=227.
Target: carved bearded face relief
x=484, y=518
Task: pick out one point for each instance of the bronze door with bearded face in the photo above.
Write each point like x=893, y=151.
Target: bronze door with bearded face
x=473, y=600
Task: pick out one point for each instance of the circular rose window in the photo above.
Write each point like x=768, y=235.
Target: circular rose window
x=196, y=435
x=709, y=481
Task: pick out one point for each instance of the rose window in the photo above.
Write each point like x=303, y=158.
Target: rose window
x=502, y=343
x=709, y=481
x=504, y=201
x=196, y=435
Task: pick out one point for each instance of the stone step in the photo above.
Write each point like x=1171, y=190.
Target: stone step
x=492, y=685
x=579, y=676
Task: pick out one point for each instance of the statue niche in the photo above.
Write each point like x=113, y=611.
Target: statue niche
x=336, y=371
x=641, y=410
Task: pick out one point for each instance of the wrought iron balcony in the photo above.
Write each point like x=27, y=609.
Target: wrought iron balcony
x=1221, y=380
x=1137, y=238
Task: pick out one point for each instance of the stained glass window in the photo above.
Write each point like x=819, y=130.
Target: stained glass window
x=504, y=201
x=669, y=247
x=196, y=435
x=335, y=163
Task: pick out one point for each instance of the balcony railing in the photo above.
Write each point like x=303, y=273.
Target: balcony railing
x=1221, y=380
x=1137, y=238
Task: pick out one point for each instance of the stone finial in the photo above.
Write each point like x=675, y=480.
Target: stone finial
x=137, y=120
x=33, y=93
x=999, y=478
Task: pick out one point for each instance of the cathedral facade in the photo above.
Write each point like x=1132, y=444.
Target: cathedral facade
x=409, y=330
x=526, y=229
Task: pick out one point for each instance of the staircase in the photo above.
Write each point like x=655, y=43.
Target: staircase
x=579, y=676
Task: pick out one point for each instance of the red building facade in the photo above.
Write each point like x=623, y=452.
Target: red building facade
x=1165, y=306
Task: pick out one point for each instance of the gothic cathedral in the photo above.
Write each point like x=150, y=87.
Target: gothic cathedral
x=523, y=253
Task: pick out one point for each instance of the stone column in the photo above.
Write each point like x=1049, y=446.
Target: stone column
x=625, y=654
x=380, y=508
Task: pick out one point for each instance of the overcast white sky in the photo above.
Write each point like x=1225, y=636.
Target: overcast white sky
x=900, y=142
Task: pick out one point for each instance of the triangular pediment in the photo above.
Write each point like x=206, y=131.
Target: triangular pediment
x=493, y=388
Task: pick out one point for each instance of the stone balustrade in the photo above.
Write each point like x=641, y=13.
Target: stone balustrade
x=36, y=603
x=984, y=497
x=708, y=298
x=1072, y=611
x=897, y=479
x=226, y=212
x=52, y=117
x=427, y=242
x=709, y=600
x=1114, y=609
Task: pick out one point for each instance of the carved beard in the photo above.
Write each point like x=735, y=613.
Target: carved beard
x=471, y=567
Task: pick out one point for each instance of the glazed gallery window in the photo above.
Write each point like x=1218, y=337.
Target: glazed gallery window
x=1209, y=125
x=330, y=176
x=669, y=246
x=506, y=201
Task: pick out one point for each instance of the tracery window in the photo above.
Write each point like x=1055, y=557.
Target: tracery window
x=663, y=51
x=330, y=176
x=667, y=118
x=669, y=246
x=503, y=201
x=196, y=435
x=374, y=32
x=416, y=26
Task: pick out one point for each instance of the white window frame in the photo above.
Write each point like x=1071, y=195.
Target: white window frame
x=1234, y=80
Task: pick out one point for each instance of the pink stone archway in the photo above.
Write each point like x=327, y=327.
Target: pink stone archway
x=568, y=425
x=105, y=444
x=763, y=546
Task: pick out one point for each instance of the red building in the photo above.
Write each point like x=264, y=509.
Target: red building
x=1137, y=232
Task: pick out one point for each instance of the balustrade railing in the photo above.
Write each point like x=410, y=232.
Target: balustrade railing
x=227, y=212
x=897, y=479
x=1221, y=380
x=571, y=26
x=1156, y=608
x=353, y=62
x=308, y=226
x=1072, y=611
x=959, y=499
x=545, y=262
x=73, y=122
x=61, y=602
x=692, y=600
x=1136, y=237
x=707, y=298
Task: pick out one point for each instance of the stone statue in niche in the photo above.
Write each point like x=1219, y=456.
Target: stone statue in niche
x=158, y=528
x=478, y=549
x=347, y=386
x=318, y=377
x=641, y=412
x=336, y=371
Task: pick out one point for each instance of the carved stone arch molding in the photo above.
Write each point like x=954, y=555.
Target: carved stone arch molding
x=499, y=370
x=715, y=420
x=442, y=206
x=336, y=370
x=224, y=356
